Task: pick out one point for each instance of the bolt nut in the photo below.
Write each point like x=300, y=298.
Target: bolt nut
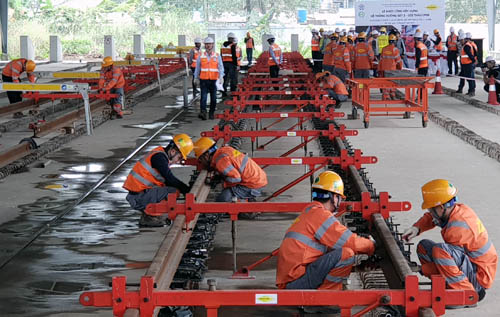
x=384, y=300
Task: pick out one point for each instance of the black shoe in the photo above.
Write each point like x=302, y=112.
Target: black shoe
x=211, y=115
x=459, y=91
x=338, y=104
x=471, y=94
x=203, y=115
x=224, y=94
x=148, y=221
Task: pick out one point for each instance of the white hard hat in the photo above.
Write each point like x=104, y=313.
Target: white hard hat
x=350, y=33
x=344, y=30
x=337, y=30
x=460, y=31
x=270, y=36
x=375, y=32
x=208, y=40
x=235, y=40
x=418, y=35
x=197, y=40
x=314, y=31
x=461, y=36
x=452, y=30
x=426, y=33
x=342, y=33
x=468, y=35
x=489, y=59
x=230, y=34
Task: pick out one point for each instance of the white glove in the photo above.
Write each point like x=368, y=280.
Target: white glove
x=410, y=233
x=197, y=81
x=218, y=85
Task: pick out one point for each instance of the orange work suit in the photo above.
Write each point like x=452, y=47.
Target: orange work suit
x=113, y=81
x=390, y=59
x=363, y=56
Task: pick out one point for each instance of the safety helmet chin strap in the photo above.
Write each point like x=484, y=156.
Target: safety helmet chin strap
x=443, y=219
x=328, y=195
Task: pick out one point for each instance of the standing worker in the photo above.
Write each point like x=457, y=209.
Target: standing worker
x=112, y=81
x=192, y=58
x=467, y=62
x=426, y=40
x=342, y=61
x=209, y=69
x=151, y=179
x=390, y=59
x=230, y=62
x=421, y=55
x=383, y=39
x=438, y=42
x=243, y=178
x=373, y=42
x=401, y=46
x=452, y=46
x=315, y=51
x=11, y=73
x=467, y=259
x=250, y=46
x=328, y=61
x=363, y=58
x=275, y=57
x=335, y=87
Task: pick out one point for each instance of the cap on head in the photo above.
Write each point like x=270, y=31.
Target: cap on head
x=107, y=61
x=375, y=32
x=208, y=40
x=337, y=30
x=330, y=181
x=426, y=33
x=383, y=29
x=322, y=30
x=418, y=35
x=184, y=144
x=461, y=36
x=314, y=31
x=30, y=66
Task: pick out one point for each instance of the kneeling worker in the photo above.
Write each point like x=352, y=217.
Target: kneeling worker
x=151, y=179
x=112, y=81
x=318, y=251
x=12, y=72
x=243, y=178
x=335, y=87
x=467, y=259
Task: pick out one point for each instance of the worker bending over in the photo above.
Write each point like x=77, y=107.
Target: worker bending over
x=335, y=87
x=275, y=57
x=12, y=72
x=151, y=179
x=467, y=259
x=112, y=81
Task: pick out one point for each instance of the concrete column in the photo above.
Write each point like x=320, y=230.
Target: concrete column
x=138, y=44
x=56, y=54
x=295, y=42
x=181, y=40
x=27, y=49
x=265, y=45
x=109, y=46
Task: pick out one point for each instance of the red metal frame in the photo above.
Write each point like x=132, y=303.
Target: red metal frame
x=147, y=298
x=53, y=96
x=236, y=115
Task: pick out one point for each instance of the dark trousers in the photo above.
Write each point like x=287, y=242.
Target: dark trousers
x=274, y=71
x=452, y=59
x=318, y=61
x=14, y=96
x=467, y=70
x=423, y=71
x=362, y=73
x=249, y=55
x=208, y=86
x=192, y=79
x=230, y=75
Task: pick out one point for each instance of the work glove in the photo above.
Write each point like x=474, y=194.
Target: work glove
x=410, y=233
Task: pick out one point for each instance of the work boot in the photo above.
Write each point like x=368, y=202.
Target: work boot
x=203, y=115
x=471, y=93
x=459, y=91
x=148, y=221
x=211, y=115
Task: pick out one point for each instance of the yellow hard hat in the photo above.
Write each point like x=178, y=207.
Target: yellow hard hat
x=383, y=29
x=362, y=35
x=343, y=39
x=30, y=66
x=330, y=181
x=202, y=145
x=437, y=192
x=436, y=31
x=392, y=37
x=335, y=35
x=129, y=57
x=322, y=30
x=107, y=61
x=322, y=74
x=184, y=144
x=159, y=46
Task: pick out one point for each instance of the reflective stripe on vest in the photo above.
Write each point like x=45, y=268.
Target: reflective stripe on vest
x=464, y=58
x=196, y=53
x=277, y=54
x=209, y=66
x=306, y=240
x=314, y=45
x=452, y=45
x=226, y=54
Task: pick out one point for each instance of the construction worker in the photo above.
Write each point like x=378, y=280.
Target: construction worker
x=239, y=55
x=373, y=42
x=328, y=60
x=468, y=37
x=467, y=62
x=151, y=179
x=192, y=58
x=438, y=42
x=390, y=59
x=112, y=81
x=467, y=259
x=335, y=87
x=491, y=70
x=230, y=62
x=426, y=40
x=421, y=55
x=363, y=58
x=401, y=46
x=275, y=57
x=243, y=178
x=318, y=252
x=316, y=52
x=342, y=61
x=12, y=72
x=250, y=45
x=209, y=70
x=350, y=46
x=452, y=46
x=383, y=39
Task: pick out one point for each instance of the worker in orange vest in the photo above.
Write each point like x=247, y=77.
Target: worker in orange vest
x=250, y=45
x=239, y=55
x=243, y=178
x=112, y=81
x=390, y=59
x=421, y=55
x=317, y=57
x=318, y=252
x=12, y=72
x=362, y=58
x=230, y=62
x=275, y=57
x=467, y=259
x=438, y=42
x=328, y=61
x=151, y=179
x=209, y=70
x=342, y=60
x=335, y=87
x=468, y=61
x=192, y=58
x=451, y=56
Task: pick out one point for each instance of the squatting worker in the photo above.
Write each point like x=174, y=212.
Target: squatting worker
x=275, y=57
x=317, y=251
x=192, y=58
x=208, y=70
x=491, y=70
x=151, y=179
x=11, y=73
x=243, y=178
x=335, y=87
x=467, y=259
x=112, y=81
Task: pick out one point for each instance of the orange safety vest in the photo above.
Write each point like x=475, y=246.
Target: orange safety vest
x=114, y=78
x=238, y=55
x=15, y=68
x=328, y=55
x=464, y=58
x=250, y=42
x=350, y=47
x=225, y=52
x=209, y=66
x=277, y=53
x=196, y=53
x=143, y=175
x=341, y=58
x=389, y=58
x=424, y=62
x=238, y=168
x=314, y=44
x=363, y=56
x=313, y=233
x=465, y=229
x=452, y=42
x=439, y=47
x=475, y=50
x=333, y=82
